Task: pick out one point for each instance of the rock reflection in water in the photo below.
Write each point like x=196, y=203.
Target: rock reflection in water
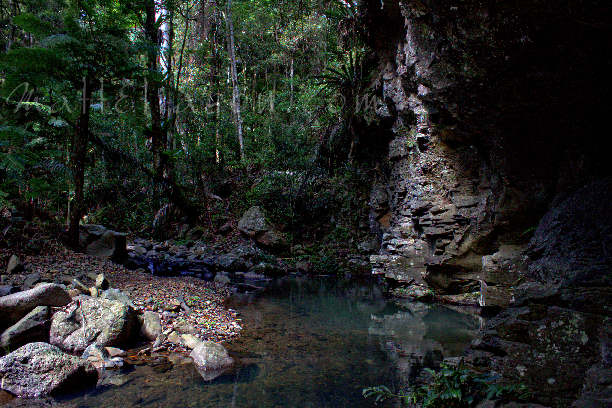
x=306, y=343
x=421, y=335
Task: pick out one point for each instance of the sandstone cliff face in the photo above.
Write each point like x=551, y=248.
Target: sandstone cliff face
x=494, y=111
x=497, y=178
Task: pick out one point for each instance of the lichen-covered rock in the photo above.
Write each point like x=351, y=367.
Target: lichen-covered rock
x=39, y=369
x=117, y=296
x=254, y=225
x=15, y=306
x=32, y=327
x=92, y=321
x=253, y=222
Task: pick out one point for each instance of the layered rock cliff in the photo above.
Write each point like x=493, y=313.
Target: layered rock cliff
x=496, y=177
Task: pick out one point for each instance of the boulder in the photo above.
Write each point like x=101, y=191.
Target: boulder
x=254, y=225
x=14, y=265
x=175, y=339
x=33, y=327
x=211, y=359
x=102, y=242
x=14, y=307
x=253, y=222
x=273, y=240
x=92, y=321
x=151, y=326
x=39, y=369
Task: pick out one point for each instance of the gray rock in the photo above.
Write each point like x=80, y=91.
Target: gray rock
x=274, y=240
x=253, y=222
x=117, y=296
x=115, y=352
x=14, y=265
x=211, y=359
x=230, y=262
x=39, y=369
x=151, y=326
x=222, y=278
x=14, y=307
x=139, y=250
x=92, y=321
x=190, y=341
x=254, y=225
x=31, y=280
x=33, y=327
x=7, y=290
x=184, y=327
x=95, y=352
x=102, y=242
x=175, y=339
x=101, y=282
x=569, y=247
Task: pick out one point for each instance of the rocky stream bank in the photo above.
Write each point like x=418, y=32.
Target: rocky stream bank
x=72, y=320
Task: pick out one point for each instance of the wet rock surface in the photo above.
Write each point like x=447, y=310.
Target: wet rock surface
x=211, y=359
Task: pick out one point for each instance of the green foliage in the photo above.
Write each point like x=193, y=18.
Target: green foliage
x=284, y=52
x=452, y=387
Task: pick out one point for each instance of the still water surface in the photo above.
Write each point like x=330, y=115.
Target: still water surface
x=311, y=343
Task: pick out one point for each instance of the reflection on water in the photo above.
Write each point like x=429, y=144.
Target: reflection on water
x=305, y=344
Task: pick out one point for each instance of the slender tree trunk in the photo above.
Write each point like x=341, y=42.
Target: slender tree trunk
x=80, y=140
x=291, y=82
x=157, y=137
x=170, y=94
x=234, y=74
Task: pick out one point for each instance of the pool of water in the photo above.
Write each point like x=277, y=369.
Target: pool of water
x=305, y=343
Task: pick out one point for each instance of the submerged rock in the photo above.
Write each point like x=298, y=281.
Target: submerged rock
x=39, y=369
x=16, y=306
x=211, y=359
x=92, y=321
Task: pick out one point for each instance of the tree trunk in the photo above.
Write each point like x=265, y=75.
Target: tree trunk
x=170, y=94
x=157, y=137
x=234, y=74
x=80, y=140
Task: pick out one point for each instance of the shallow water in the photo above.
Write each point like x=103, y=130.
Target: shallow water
x=305, y=344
